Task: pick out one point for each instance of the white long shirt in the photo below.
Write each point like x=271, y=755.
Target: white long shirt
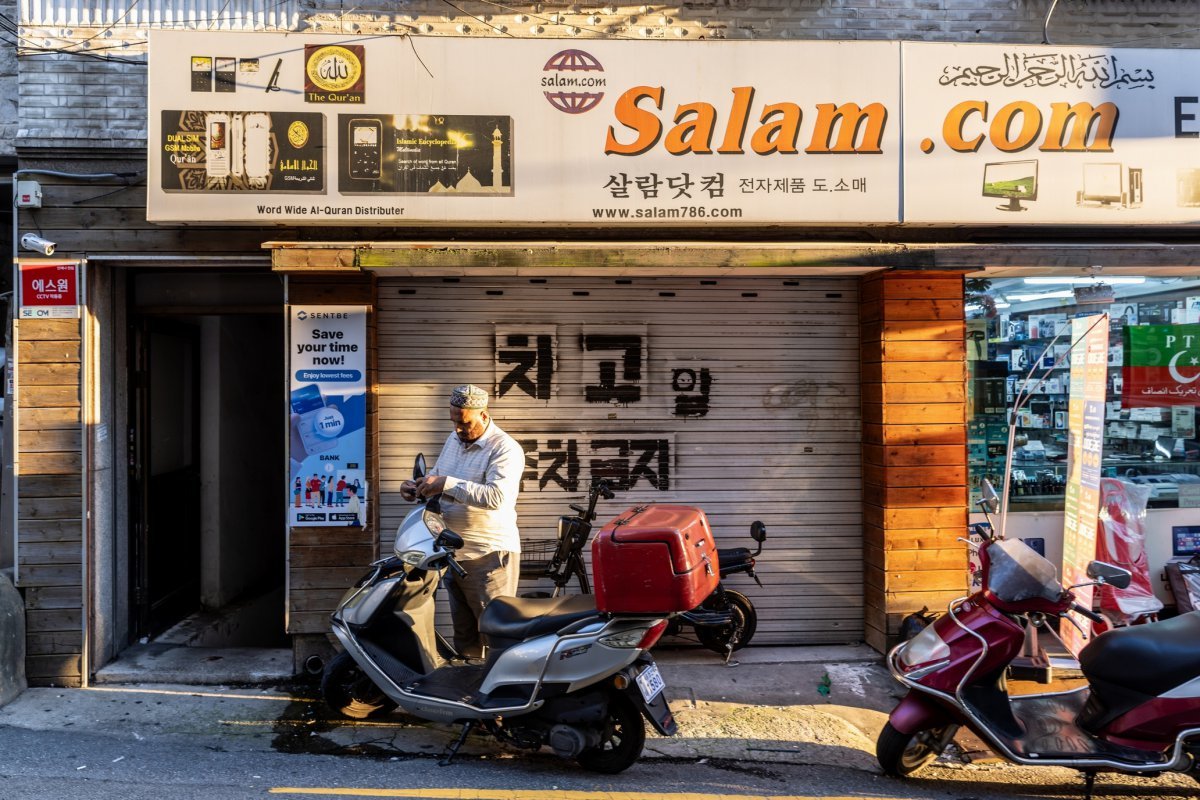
x=479, y=501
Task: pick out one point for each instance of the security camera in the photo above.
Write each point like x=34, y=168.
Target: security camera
x=38, y=245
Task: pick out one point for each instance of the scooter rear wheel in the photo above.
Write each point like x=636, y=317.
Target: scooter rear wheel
x=621, y=739
x=347, y=690
x=715, y=638
x=903, y=754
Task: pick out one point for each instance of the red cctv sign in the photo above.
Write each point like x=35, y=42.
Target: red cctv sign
x=49, y=290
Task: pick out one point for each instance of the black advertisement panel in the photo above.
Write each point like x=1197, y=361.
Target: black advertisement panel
x=425, y=154
x=243, y=151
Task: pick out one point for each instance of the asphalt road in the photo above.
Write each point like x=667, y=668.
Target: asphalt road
x=72, y=765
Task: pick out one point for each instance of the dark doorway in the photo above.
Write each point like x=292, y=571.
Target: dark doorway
x=165, y=473
x=206, y=460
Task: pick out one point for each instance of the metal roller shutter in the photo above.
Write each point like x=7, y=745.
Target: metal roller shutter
x=740, y=396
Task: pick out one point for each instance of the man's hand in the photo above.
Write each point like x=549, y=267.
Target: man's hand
x=408, y=490
x=431, y=485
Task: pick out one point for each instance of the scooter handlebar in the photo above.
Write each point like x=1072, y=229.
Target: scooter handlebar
x=1087, y=612
x=455, y=567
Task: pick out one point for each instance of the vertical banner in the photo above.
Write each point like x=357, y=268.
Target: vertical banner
x=1089, y=372
x=327, y=482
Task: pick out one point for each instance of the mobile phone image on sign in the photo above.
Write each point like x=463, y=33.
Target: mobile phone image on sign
x=316, y=424
x=202, y=79
x=236, y=144
x=216, y=147
x=226, y=71
x=366, y=149
x=257, y=127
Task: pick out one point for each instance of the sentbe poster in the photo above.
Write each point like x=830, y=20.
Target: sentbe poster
x=327, y=481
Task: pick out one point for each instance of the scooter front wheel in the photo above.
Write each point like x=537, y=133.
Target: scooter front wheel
x=347, y=690
x=903, y=754
x=621, y=739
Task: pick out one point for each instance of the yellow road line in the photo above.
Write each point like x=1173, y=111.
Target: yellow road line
x=540, y=794
x=286, y=698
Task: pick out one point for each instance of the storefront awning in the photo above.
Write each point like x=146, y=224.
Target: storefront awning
x=418, y=258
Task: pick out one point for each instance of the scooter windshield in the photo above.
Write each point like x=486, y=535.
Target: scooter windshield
x=1017, y=573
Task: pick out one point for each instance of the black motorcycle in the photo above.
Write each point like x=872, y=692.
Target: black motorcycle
x=724, y=622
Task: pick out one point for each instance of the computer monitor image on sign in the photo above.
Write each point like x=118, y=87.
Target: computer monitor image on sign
x=1012, y=180
x=1110, y=185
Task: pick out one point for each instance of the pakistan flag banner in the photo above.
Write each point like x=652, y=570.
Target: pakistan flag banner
x=1162, y=366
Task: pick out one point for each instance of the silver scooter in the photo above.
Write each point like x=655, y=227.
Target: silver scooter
x=557, y=671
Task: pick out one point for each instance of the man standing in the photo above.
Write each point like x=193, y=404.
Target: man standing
x=478, y=474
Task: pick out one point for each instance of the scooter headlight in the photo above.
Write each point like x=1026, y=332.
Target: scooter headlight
x=412, y=557
x=923, y=648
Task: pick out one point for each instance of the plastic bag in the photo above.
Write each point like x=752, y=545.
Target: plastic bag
x=1121, y=540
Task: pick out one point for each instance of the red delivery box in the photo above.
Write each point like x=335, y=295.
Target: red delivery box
x=654, y=559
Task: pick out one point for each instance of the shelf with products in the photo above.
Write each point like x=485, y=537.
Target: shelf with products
x=1158, y=447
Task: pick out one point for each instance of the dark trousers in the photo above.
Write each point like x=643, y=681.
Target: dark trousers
x=491, y=575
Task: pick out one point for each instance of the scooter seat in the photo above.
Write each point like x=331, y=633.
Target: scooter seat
x=733, y=556
x=1148, y=659
x=521, y=618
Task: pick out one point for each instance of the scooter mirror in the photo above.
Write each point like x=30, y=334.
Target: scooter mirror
x=449, y=540
x=758, y=531
x=990, y=500
x=1111, y=574
x=419, y=468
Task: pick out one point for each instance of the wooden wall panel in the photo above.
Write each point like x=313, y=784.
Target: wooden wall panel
x=50, y=499
x=914, y=445
x=324, y=562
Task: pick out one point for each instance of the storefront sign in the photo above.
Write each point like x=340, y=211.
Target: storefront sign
x=327, y=483
x=1161, y=367
x=1085, y=434
x=316, y=129
x=49, y=290
x=1018, y=135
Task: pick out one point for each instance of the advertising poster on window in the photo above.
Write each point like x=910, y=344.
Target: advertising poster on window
x=529, y=131
x=1029, y=134
x=1162, y=369
x=327, y=482
x=1085, y=436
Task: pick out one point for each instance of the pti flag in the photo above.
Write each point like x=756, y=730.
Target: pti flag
x=1162, y=366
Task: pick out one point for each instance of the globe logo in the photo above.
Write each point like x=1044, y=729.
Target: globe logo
x=571, y=82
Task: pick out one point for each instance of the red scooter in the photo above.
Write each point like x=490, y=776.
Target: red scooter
x=1139, y=713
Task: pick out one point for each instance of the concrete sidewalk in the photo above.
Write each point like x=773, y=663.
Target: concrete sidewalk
x=804, y=705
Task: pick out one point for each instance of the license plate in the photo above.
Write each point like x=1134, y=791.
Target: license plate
x=650, y=682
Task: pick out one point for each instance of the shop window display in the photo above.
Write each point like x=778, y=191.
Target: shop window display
x=1011, y=322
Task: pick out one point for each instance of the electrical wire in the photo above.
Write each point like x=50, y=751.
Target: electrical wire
x=28, y=47
x=418, y=55
x=478, y=19
x=119, y=20
x=6, y=23
x=118, y=190
x=548, y=21
x=1046, y=24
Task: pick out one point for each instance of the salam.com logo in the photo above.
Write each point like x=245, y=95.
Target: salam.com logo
x=572, y=85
